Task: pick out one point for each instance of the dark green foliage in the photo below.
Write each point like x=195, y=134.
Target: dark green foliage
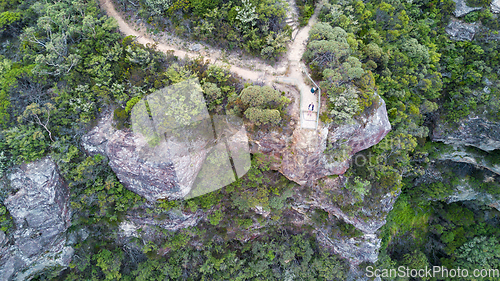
x=306, y=10
x=6, y=222
x=258, y=27
x=120, y=116
x=262, y=105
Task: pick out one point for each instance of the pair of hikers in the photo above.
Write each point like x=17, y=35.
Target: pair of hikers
x=311, y=107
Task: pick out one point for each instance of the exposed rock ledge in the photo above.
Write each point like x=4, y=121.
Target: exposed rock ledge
x=41, y=215
x=301, y=157
x=461, y=8
x=171, y=168
x=495, y=6
x=477, y=132
x=470, y=157
x=461, y=31
x=464, y=192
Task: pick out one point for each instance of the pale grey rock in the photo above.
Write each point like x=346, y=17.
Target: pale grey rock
x=495, y=6
x=474, y=158
x=41, y=214
x=357, y=249
x=128, y=229
x=173, y=221
x=374, y=208
x=195, y=48
x=461, y=8
x=363, y=133
x=472, y=131
x=461, y=31
x=3, y=238
x=464, y=192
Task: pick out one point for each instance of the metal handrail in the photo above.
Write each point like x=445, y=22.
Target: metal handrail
x=319, y=96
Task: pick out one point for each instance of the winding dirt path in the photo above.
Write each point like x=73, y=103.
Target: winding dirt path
x=266, y=73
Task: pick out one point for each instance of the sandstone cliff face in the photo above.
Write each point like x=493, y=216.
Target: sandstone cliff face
x=41, y=215
x=172, y=167
x=461, y=8
x=300, y=156
x=477, y=132
x=304, y=156
x=366, y=214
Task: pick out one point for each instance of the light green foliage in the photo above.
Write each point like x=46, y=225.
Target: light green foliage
x=246, y=14
x=176, y=73
x=39, y=115
x=6, y=222
x=343, y=104
x=419, y=54
x=359, y=187
x=158, y=7
x=216, y=217
x=138, y=56
x=214, y=96
x=328, y=47
x=109, y=263
x=257, y=96
x=276, y=45
x=26, y=143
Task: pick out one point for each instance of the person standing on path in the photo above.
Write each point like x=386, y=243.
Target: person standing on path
x=312, y=107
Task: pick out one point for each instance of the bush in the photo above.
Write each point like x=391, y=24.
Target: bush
x=263, y=116
x=120, y=116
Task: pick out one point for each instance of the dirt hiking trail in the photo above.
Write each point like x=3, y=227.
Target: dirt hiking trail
x=289, y=71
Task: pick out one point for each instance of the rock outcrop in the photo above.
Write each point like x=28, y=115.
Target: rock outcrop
x=461, y=8
x=167, y=170
x=300, y=157
x=468, y=156
x=495, y=6
x=461, y=31
x=464, y=192
x=357, y=249
x=172, y=221
x=305, y=155
x=477, y=132
x=41, y=214
x=368, y=216
x=173, y=152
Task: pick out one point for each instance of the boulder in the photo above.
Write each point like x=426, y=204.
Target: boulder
x=40, y=209
x=195, y=48
x=472, y=131
x=175, y=168
x=461, y=31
